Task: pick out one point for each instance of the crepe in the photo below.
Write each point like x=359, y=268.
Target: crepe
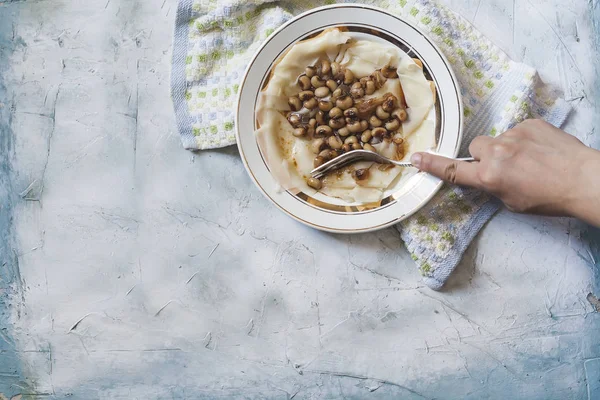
x=289, y=158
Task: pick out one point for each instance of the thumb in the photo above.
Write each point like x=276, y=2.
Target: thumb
x=453, y=171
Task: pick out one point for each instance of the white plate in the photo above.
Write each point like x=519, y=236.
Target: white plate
x=325, y=213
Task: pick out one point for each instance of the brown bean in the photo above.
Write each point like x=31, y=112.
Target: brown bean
x=336, y=112
x=314, y=183
x=312, y=123
x=356, y=146
x=325, y=105
x=321, y=118
x=299, y=132
x=324, y=130
x=310, y=71
x=347, y=147
x=325, y=67
x=332, y=85
x=364, y=125
x=351, y=140
x=375, y=122
x=344, y=102
x=392, y=125
x=381, y=113
x=351, y=113
x=357, y=91
x=390, y=103
x=370, y=87
x=363, y=81
x=337, y=123
x=366, y=136
x=306, y=95
x=397, y=138
x=368, y=147
x=334, y=142
x=311, y=104
x=317, y=145
x=304, y=82
x=354, y=127
x=360, y=174
x=322, y=91
x=378, y=132
x=400, y=114
x=389, y=72
x=326, y=154
x=348, y=77
x=295, y=103
x=318, y=161
x=343, y=132
x=317, y=82
x=335, y=69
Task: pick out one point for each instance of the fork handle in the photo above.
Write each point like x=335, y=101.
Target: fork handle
x=408, y=164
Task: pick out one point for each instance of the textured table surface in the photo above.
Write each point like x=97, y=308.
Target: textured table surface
x=131, y=268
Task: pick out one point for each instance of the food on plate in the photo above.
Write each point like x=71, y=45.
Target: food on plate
x=335, y=93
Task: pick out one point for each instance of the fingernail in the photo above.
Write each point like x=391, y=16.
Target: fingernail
x=415, y=159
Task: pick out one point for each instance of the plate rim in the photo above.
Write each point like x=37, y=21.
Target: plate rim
x=439, y=183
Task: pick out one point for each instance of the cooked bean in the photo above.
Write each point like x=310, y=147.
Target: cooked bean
x=379, y=79
x=334, y=142
x=295, y=103
x=318, y=161
x=325, y=105
x=322, y=118
x=294, y=119
x=332, y=85
x=375, y=122
x=310, y=71
x=363, y=81
x=389, y=103
x=400, y=114
x=337, y=123
x=312, y=103
x=336, y=112
x=317, y=82
x=370, y=87
x=299, y=132
x=356, y=146
x=348, y=77
x=334, y=153
x=347, y=147
x=381, y=113
x=368, y=147
x=392, y=125
x=397, y=138
x=389, y=72
x=344, y=102
x=354, y=127
x=366, y=136
x=304, y=82
x=326, y=154
x=324, y=130
x=306, y=95
x=337, y=93
x=351, y=140
x=378, y=132
x=357, y=90
x=335, y=69
x=317, y=145
x=351, y=113
x=364, y=125
x=325, y=67
x=312, y=123
x=343, y=132
x=314, y=183
x=322, y=91
x=360, y=174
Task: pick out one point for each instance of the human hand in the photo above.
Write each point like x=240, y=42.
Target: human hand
x=532, y=168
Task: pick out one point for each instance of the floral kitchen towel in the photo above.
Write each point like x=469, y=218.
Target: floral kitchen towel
x=215, y=40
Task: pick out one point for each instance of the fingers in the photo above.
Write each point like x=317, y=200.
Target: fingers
x=479, y=145
x=458, y=172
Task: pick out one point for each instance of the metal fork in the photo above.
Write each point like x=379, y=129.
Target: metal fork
x=361, y=155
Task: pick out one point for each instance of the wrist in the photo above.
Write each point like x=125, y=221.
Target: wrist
x=584, y=201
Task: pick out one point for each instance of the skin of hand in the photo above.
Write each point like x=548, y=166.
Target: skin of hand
x=533, y=168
